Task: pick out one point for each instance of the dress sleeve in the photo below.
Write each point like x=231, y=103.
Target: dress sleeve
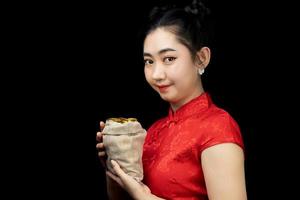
x=220, y=129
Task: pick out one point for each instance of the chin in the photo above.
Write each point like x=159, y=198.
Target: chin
x=167, y=98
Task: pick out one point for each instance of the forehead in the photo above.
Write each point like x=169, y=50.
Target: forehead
x=160, y=39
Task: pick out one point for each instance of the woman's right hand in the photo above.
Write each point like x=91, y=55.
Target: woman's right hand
x=100, y=146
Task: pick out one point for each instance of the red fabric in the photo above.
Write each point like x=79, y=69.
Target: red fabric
x=173, y=146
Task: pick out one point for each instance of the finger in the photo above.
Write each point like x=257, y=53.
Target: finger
x=101, y=153
x=102, y=124
x=100, y=146
x=99, y=137
x=118, y=169
x=115, y=178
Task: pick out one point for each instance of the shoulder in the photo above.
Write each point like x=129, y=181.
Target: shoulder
x=219, y=127
x=214, y=119
x=220, y=119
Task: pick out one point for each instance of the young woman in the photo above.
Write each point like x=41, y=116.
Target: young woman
x=196, y=152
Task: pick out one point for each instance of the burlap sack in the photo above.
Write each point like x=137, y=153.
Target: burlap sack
x=123, y=140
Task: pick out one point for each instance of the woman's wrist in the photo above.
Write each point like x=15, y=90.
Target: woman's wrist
x=115, y=191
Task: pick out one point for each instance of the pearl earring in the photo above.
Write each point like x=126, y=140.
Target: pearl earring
x=200, y=71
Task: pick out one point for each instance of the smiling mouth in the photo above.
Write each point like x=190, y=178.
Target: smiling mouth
x=163, y=88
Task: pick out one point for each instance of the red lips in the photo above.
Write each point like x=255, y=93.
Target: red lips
x=163, y=88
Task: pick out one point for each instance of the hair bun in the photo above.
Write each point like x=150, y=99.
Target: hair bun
x=197, y=8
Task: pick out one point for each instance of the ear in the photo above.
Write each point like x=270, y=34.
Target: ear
x=203, y=57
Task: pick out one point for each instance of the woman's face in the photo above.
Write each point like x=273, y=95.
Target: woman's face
x=170, y=69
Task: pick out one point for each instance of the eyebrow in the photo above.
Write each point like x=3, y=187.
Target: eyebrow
x=160, y=52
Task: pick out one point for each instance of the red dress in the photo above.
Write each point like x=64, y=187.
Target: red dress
x=173, y=146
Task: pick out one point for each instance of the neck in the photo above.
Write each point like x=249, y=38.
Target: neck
x=176, y=105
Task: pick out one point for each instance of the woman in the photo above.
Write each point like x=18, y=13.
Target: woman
x=196, y=152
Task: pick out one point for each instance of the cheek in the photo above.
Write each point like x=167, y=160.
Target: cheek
x=176, y=74
x=185, y=70
x=182, y=77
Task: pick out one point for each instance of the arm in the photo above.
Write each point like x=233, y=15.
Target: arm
x=223, y=168
x=138, y=191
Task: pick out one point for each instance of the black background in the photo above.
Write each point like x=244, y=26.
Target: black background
x=74, y=64
x=248, y=76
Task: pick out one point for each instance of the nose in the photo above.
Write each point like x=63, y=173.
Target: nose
x=158, y=73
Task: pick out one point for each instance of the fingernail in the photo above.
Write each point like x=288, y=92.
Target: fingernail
x=113, y=163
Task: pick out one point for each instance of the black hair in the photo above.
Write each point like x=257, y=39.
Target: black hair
x=190, y=23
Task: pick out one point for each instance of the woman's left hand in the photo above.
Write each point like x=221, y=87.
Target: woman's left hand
x=135, y=189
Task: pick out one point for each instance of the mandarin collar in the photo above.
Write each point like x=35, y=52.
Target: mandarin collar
x=194, y=106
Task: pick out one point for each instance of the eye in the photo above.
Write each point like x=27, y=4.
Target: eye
x=169, y=60
x=148, y=61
